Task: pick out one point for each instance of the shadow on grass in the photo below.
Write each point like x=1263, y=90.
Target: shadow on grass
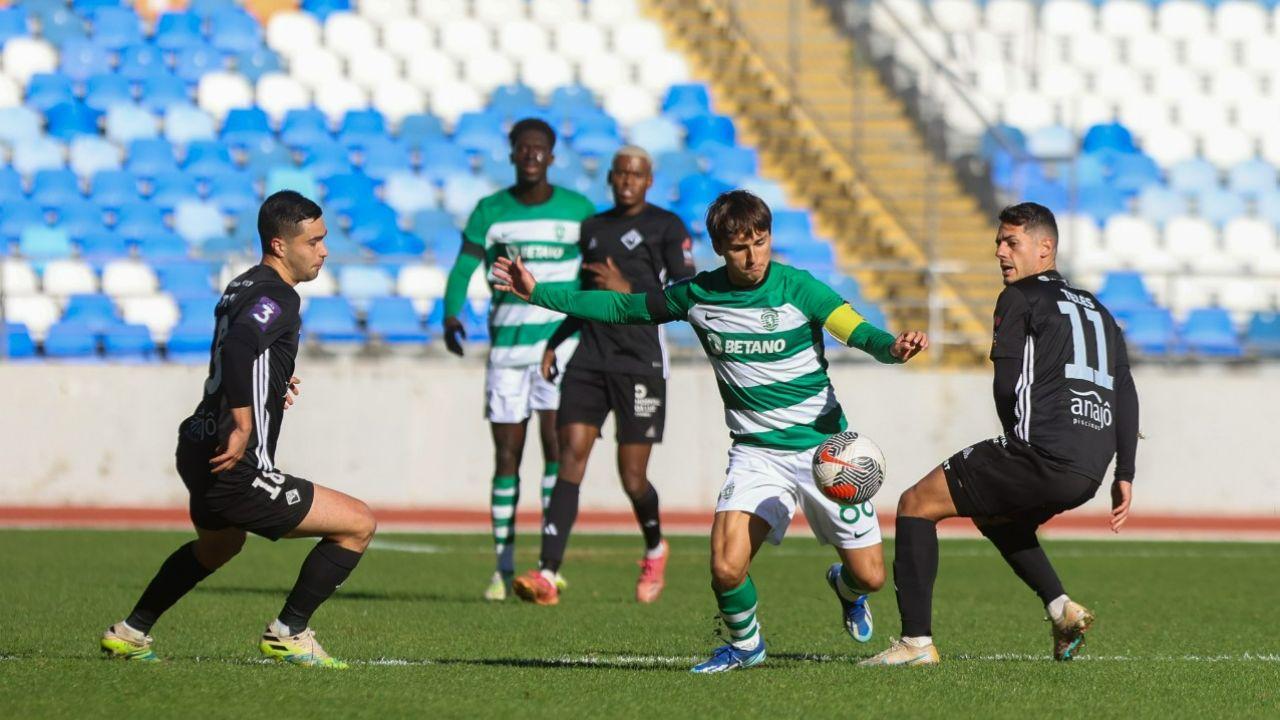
x=345, y=595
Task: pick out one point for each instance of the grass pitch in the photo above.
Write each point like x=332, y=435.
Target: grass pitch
x=1184, y=630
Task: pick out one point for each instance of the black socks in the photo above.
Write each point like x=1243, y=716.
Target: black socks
x=177, y=576
x=557, y=523
x=324, y=570
x=915, y=567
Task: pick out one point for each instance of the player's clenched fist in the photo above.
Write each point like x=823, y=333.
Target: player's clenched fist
x=909, y=344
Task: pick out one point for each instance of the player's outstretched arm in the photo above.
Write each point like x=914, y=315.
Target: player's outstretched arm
x=846, y=325
x=599, y=305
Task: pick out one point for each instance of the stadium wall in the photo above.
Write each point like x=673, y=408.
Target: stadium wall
x=410, y=434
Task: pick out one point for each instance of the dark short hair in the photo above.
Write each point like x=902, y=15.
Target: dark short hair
x=1030, y=217
x=737, y=213
x=280, y=214
x=532, y=124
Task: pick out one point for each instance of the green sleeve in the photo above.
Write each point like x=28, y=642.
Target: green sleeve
x=814, y=298
x=599, y=305
x=455, y=291
x=873, y=341
x=677, y=300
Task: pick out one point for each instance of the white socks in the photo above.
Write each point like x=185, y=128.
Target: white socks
x=1057, y=607
x=919, y=642
x=657, y=552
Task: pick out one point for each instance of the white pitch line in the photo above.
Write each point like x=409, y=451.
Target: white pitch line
x=409, y=547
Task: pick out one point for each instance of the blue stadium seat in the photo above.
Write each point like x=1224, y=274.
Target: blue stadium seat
x=245, y=126
x=302, y=128
x=704, y=129
x=162, y=247
x=346, y=190
x=816, y=256
x=677, y=164
x=233, y=191
x=567, y=100
x=91, y=154
x=1220, y=206
x=79, y=217
x=162, y=90
x=53, y=187
x=190, y=339
x=113, y=188
x=419, y=130
x=1002, y=138
x=13, y=23
x=1269, y=207
x=205, y=158
x=209, y=9
x=326, y=157
x=235, y=30
x=18, y=344
x=359, y=127
x=597, y=122
x=792, y=223
x=510, y=102
x=1124, y=291
x=230, y=246
x=480, y=133
x=19, y=125
x=441, y=160
x=596, y=145
x=362, y=283
x=302, y=181
x=78, y=59
x=69, y=340
x=176, y=30
x=1053, y=141
x=196, y=221
x=1050, y=193
x=1151, y=331
x=731, y=164
x=45, y=90
x=10, y=187
x=256, y=62
x=1133, y=171
x=261, y=158
x=323, y=8
x=686, y=101
x=199, y=309
x=657, y=135
x=393, y=320
x=701, y=188
x=19, y=214
x=331, y=320
x=1208, y=331
x=44, y=243
x=396, y=243
x=139, y=219
x=138, y=62
x=1108, y=136
x=107, y=89
x=101, y=247
x=171, y=188
x=59, y=25
x=1099, y=203
x=1193, y=176
x=1159, y=204
x=1252, y=178
x=127, y=123
x=1089, y=169
x=69, y=120
x=116, y=27
x=371, y=219
x=1263, y=334
x=341, y=246
x=127, y=341
x=185, y=123
x=430, y=222
x=193, y=61
x=95, y=311
x=150, y=157
x=383, y=156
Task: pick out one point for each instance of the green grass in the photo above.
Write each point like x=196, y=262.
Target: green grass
x=1184, y=629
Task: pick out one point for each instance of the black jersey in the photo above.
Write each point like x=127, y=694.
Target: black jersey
x=1062, y=375
x=651, y=249
x=251, y=359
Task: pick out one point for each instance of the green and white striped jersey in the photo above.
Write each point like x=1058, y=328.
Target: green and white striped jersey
x=546, y=237
x=765, y=345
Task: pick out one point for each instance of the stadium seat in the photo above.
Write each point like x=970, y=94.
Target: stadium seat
x=78, y=217
x=51, y=188
x=183, y=280
x=49, y=89
x=1208, y=331
x=127, y=122
x=382, y=157
x=1151, y=331
x=162, y=91
x=407, y=193
x=69, y=340
x=90, y=155
x=40, y=243
x=95, y=311
x=63, y=278
x=128, y=278
x=17, y=343
x=235, y=31
x=361, y=283
x=127, y=341
x=150, y=157
x=1123, y=292
x=196, y=221
x=1263, y=334
x=331, y=320
x=172, y=187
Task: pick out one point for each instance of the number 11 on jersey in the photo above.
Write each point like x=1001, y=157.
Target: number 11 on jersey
x=1079, y=368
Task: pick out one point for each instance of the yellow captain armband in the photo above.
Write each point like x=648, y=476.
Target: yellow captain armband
x=842, y=322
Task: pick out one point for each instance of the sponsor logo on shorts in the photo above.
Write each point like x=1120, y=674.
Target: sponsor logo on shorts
x=726, y=492
x=769, y=319
x=645, y=406
x=1090, y=410
x=632, y=239
x=293, y=497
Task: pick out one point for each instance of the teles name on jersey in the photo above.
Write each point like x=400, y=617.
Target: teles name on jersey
x=1079, y=299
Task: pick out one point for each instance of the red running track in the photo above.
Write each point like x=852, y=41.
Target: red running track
x=1194, y=527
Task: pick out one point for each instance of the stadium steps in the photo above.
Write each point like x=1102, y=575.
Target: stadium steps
x=845, y=142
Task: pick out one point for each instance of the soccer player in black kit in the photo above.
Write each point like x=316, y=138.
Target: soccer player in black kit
x=632, y=247
x=226, y=452
x=1067, y=404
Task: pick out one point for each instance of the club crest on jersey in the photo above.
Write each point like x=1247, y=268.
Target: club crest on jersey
x=265, y=312
x=715, y=344
x=559, y=231
x=769, y=319
x=632, y=239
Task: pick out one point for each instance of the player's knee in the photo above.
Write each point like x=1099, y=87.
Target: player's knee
x=727, y=574
x=214, y=554
x=871, y=579
x=908, y=502
x=366, y=526
x=635, y=483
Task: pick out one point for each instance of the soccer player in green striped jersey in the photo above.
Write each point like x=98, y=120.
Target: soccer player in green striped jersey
x=760, y=323
x=537, y=222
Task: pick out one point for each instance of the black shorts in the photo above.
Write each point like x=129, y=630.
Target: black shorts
x=268, y=503
x=1007, y=478
x=638, y=402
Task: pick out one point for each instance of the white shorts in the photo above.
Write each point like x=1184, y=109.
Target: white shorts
x=512, y=394
x=771, y=483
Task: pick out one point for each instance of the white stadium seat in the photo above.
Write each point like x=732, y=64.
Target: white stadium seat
x=1233, y=84
x=487, y=72
x=450, y=100
x=1060, y=81
x=348, y=34
x=1200, y=117
x=428, y=69
x=1010, y=17
x=18, y=277
x=397, y=99
x=1118, y=83
x=159, y=313
x=1169, y=145
x=319, y=67
x=1270, y=149
x=521, y=38
x=1260, y=52
x=293, y=33
x=580, y=40
x=1183, y=294
x=498, y=12
x=1126, y=18
x=408, y=193
x=37, y=312
x=10, y=93
x=1142, y=115
x=956, y=16
x=545, y=72
x=553, y=13
x=1027, y=111
x=1239, y=19
x=370, y=68
x=407, y=37
x=603, y=73
x=219, y=92
x=1242, y=296
x=662, y=71
x=1183, y=18
x=638, y=40
x=339, y=96
x=1175, y=82
x=67, y=277
x=323, y=286
x=1193, y=242
x=438, y=11
x=423, y=284
x=1258, y=115
x=1227, y=146
x=630, y=104
x=386, y=13
x=613, y=12
x=465, y=37
x=278, y=93
x=1084, y=111
x=1092, y=50
x=1151, y=52
x=128, y=278
x=1067, y=17
x=1207, y=52
x=26, y=56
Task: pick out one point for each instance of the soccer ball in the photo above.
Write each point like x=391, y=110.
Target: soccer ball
x=848, y=468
